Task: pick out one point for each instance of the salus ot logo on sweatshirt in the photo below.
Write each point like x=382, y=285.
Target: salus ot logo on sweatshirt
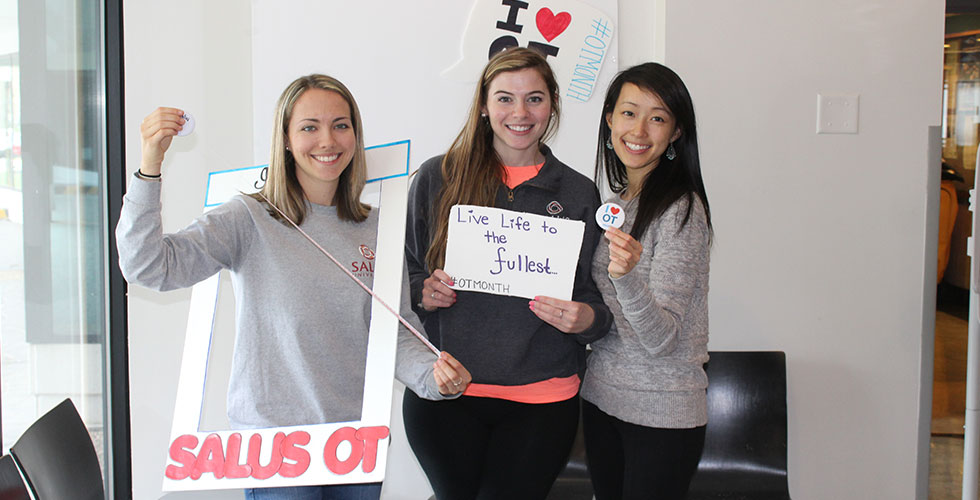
x=364, y=268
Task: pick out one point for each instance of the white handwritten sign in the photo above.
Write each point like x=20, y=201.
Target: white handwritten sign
x=512, y=253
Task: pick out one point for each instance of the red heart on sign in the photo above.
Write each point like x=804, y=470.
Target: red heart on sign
x=614, y=210
x=550, y=24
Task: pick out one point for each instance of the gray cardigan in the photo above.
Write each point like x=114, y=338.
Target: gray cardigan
x=649, y=369
x=301, y=323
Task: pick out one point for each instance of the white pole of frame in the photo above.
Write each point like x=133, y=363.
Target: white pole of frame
x=971, y=440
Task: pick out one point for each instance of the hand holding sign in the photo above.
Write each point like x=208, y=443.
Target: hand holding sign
x=624, y=252
x=436, y=292
x=565, y=315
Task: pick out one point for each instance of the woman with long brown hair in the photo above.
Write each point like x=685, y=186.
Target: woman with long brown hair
x=301, y=328
x=509, y=435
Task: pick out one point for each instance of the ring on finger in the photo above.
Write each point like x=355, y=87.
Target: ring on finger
x=561, y=313
x=433, y=295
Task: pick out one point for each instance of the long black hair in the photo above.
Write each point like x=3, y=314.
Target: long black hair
x=671, y=179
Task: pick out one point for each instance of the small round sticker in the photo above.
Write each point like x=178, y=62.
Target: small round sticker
x=610, y=215
x=188, y=126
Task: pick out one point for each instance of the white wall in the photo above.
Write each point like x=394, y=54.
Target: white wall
x=820, y=239
x=820, y=246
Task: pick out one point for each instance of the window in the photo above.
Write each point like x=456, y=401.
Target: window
x=53, y=215
x=961, y=91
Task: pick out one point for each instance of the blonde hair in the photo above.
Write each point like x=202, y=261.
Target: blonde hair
x=472, y=173
x=282, y=188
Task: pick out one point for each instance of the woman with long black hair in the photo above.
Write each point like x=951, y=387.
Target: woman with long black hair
x=644, y=405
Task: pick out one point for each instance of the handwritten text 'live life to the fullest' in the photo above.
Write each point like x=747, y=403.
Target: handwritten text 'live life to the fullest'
x=512, y=253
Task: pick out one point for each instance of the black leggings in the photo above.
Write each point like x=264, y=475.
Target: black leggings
x=485, y=448
x=632, y=462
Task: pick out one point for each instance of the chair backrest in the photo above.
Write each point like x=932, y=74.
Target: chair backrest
x=745, y=439
x=12, y=486
x=57, y=457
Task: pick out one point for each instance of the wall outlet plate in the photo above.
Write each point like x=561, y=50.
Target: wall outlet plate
x=837, y=113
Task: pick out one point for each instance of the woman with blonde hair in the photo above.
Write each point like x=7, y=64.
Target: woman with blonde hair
x=509, y=435
x=301, y=323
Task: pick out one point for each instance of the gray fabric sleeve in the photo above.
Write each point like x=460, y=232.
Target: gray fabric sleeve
x=414, y=363
x=656, y=304
x=167, y=262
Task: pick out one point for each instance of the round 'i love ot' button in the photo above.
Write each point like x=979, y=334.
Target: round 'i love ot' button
x=610, y=215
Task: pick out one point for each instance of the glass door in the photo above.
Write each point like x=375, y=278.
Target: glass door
x=53, y=305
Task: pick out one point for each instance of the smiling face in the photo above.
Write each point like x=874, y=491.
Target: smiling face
x=641, y=127
x=519, y=108
x=322, y=141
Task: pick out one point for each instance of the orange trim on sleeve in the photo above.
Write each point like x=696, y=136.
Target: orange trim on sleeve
x=545, y=391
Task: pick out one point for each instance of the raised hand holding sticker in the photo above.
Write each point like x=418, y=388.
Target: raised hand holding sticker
x=610, y=215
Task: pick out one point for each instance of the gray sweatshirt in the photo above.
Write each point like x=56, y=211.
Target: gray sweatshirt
x=301, y=323
x=649, y=369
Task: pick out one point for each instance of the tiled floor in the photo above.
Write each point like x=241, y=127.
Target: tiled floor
x=949, y=402
x=949, y=372
x=946, y=468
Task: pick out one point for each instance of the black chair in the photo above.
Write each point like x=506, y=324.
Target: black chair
x=57, y=457
x=744, y=454
x=12, y=486
x=745, y=442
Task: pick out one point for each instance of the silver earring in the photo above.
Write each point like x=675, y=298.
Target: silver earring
x=671, y=153
x=483, y=115
x=609, y=144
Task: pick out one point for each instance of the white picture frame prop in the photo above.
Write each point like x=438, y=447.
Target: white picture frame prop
x=503, y=252
x=331, y=453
